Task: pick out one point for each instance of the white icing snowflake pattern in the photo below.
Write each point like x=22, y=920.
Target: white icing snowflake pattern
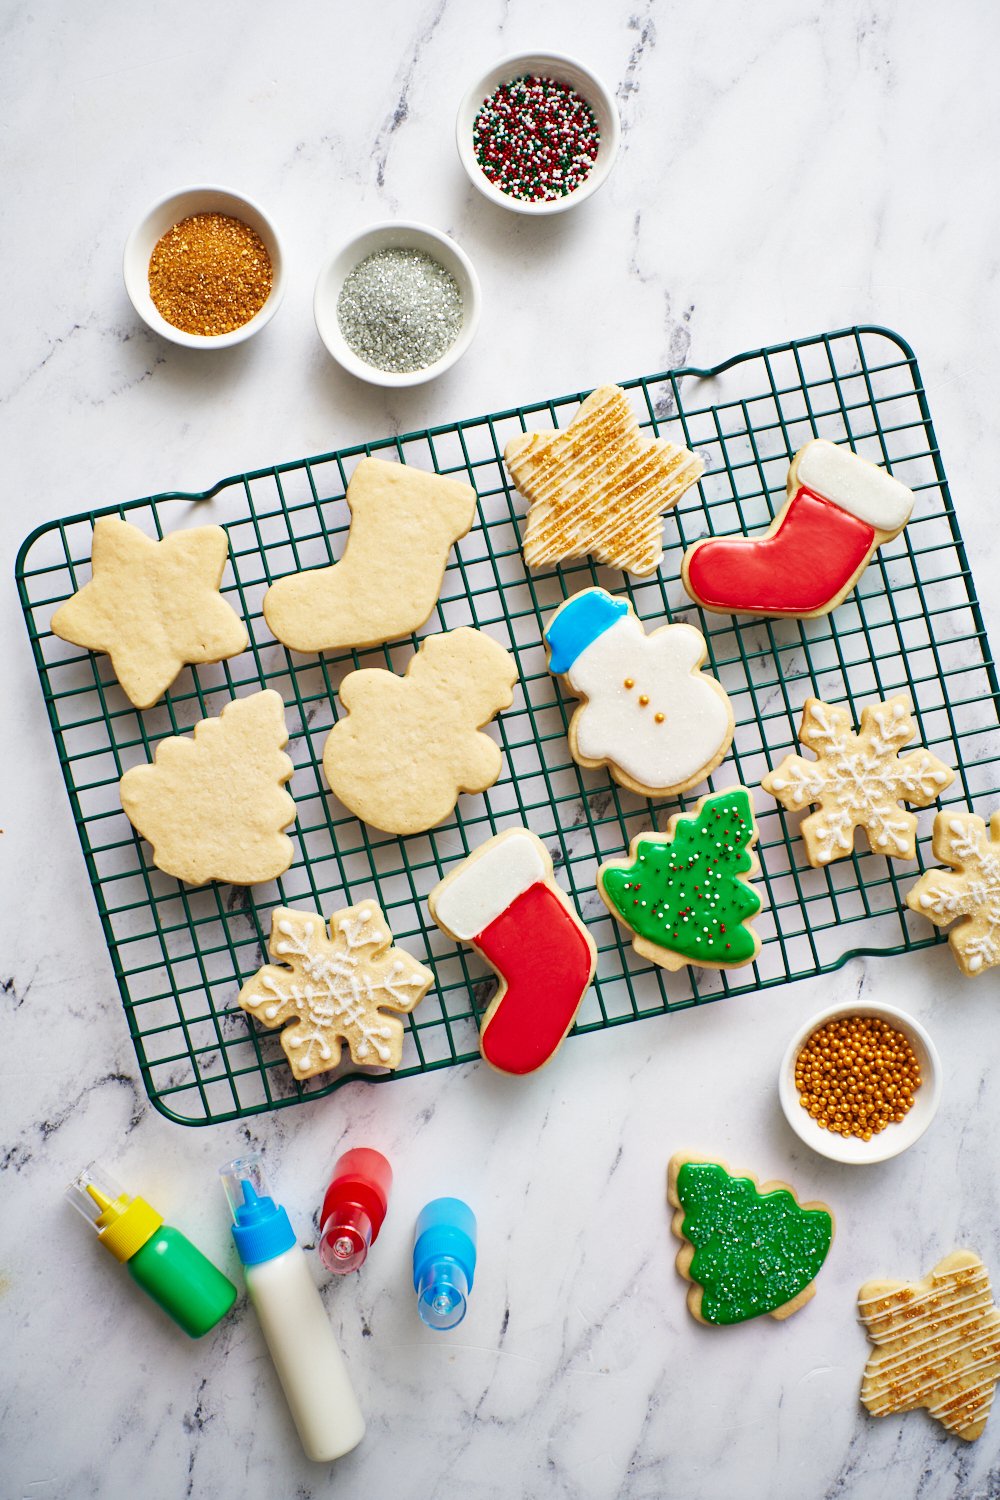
x=970, y=889
x=333, y=988
x=858, y=780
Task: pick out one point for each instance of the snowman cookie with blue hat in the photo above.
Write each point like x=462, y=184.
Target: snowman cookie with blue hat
x=649, y=713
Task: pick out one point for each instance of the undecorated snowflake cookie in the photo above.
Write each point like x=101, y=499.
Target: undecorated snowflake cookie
x=970, y=889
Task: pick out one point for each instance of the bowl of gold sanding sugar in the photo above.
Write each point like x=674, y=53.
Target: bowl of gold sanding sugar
x=398, y=304
x=204, y=268
x=860, y=1082
x=538, y=133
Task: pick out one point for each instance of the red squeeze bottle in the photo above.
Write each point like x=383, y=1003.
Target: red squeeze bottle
x=353, y=1209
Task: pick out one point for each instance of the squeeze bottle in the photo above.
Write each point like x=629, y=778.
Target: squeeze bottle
x=444, y=1261
x=353, y=1209
x=292, y=1317
x=162, y=1260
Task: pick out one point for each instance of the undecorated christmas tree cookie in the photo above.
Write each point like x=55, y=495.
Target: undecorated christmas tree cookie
x=214, y=806
x=154, y=607
x=748, y=1248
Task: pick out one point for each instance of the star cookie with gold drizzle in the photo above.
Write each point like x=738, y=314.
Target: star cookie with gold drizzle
x=599, y=487
x=970, y=889
x=859, y=780
x=937, y=1345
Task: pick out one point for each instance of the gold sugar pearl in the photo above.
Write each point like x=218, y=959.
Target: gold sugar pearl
x=857, y=1075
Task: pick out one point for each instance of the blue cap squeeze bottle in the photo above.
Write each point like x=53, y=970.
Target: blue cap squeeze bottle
x=444, y=1261
x=292, y=1317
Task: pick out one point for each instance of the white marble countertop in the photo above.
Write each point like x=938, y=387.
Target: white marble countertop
x=785, y=168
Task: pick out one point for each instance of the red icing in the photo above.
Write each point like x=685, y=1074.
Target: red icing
x=798, y=570
x=541, y=953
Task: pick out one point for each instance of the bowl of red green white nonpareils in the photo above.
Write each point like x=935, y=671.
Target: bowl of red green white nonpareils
x=538, y=133
x=398, y=304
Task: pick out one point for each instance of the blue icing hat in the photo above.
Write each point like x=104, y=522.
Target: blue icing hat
x=580, y=621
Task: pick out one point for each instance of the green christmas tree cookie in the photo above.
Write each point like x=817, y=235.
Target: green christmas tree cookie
x=749, y=1248
x=680, y=893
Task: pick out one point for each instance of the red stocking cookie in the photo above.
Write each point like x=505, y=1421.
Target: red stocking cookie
x=840, y=508
x=504, y=900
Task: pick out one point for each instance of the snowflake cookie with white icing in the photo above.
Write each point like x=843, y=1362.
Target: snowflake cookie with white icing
x=649, y=713
x=858, y=780
x=336, y=988
x=970, y=889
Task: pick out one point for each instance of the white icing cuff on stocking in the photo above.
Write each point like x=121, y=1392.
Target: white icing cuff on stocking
x=868, y=492
x=488, y=883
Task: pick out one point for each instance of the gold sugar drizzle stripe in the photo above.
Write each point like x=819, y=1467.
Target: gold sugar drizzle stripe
x=979, y=1294
x=961, y=1276
x=913, y=1393
x=908, y=1352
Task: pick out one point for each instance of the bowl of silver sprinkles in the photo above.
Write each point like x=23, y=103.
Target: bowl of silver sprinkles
x=398, y=304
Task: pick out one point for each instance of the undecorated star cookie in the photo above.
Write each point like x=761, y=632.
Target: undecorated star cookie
x=859, y=780
x=336, y=988
x=937, y=1345
x=970, y=889
x=153, y=607
x=214, y=807
x=407, y=746
x=404, y=521
x=599, y=487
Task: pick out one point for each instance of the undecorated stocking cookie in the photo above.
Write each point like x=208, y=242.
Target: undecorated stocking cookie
x=937, y=1345
x=659, y=723
x=214, y=807
x=409, y=745
x=504, y=900
x=859, y=780
x=599, y=487
x=748, y=1248
x=336, y=988
x=404, y=522
x=969, y=891
x=154, y=607
x=682, y=895
x=839, y=509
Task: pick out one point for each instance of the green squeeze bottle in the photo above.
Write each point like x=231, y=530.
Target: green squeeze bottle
x=171, y=1270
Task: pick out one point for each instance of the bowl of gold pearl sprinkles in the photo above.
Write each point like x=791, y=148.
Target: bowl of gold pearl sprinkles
x=860, y=1083
x=204, y=268
x=398, y=304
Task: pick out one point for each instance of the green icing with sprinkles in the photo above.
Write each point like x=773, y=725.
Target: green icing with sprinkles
x=753, y=1251
x=684, y=893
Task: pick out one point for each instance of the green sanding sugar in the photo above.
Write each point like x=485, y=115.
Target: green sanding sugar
x=400, y=310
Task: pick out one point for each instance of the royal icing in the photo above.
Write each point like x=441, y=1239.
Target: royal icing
x=530, y=936
x=865, y=490
x=753, y=1251
x=649, y=711
x=683, y=892
x=969, y=890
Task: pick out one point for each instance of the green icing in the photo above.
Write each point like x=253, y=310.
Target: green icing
x=684, y=893
x=753, y=1251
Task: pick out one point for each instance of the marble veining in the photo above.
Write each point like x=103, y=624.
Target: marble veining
x=784, y=169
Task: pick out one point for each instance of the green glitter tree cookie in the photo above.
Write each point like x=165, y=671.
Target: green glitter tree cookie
x=680, y=893
x=748, y=1248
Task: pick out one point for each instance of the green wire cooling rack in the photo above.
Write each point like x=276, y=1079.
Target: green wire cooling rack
x=913, y=623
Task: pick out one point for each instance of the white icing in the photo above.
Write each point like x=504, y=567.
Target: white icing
x=488, y=883
x=855, y=485
x=614, y=725
x=971, y=889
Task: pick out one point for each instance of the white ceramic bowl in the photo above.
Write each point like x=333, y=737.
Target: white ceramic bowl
x=894, y=1138
x=395, y=235
x=163, y=216
x=564, y=70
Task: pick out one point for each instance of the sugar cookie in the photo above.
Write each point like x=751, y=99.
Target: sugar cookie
x=658, y=723
x=504, y=900
x=153, y=607
x=839, y=510
x=858, y=780
x=404, y=522
x=599, y=487
x=214, y=807
x=748, y=1248
x=680, y=893
x=409, y=745
x=336, y=988
x=938, y=1345
x=970, y=889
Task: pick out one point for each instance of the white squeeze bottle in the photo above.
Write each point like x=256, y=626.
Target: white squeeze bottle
x=306, y=1356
